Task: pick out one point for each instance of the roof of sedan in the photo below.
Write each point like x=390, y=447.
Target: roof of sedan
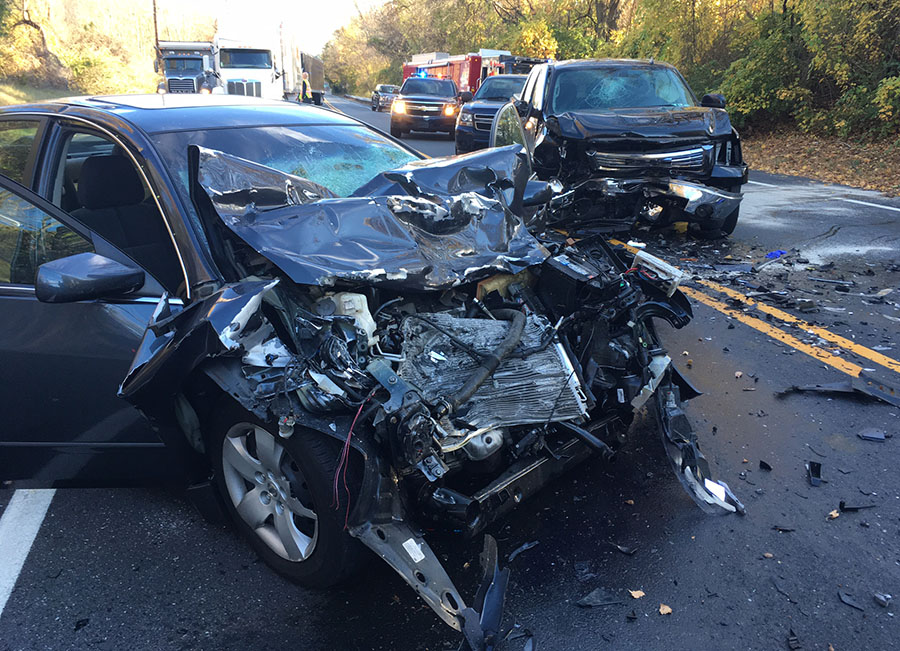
x=191, y=111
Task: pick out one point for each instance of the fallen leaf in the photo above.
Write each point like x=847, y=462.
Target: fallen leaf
x=664, y=609
x=746, y=461
x=637, y=594
x=629, y=502
x=834, y=514
x=738, y=374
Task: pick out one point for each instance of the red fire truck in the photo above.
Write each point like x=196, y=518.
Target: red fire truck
x=467, y=70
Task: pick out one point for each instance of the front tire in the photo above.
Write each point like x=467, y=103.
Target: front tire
x=279, y=492
x=396, y=132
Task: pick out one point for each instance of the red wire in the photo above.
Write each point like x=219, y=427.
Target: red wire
x=343, y=461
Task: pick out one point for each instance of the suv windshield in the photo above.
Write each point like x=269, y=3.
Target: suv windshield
x=340, y=158
x=386, y=89
x=613, y=87
x=420, y=86
x=245, y=59
x=501, y=88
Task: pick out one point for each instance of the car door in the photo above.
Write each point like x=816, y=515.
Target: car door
x=534, y=117
x=62, y=363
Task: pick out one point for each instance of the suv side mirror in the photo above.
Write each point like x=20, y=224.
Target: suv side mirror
x=713, y=100
x=521, y=107
x=84, y=277
x=465, y=96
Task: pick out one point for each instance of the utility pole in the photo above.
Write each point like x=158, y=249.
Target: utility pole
x=155, y=32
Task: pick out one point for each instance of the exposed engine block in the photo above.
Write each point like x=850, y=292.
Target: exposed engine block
x=538, y=388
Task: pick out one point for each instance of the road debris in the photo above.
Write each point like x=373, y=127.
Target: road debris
x=664, y=609
x=764, y=466
x=824, y=456
x=520, y=549
x=845, y=508
x=636, y=594
x=768, y=555
x=625, y=549
x=861, y=385
x=793, y=641
x=631, y=617
x=882, y=599
x=814, y=473
x=778, y=527
x=849, y=600
x=834, y=515
x=774, y=255
x=872, y=434
x=738, y=374
x=598, y=597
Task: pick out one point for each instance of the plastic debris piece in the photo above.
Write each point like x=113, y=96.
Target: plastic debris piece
x=768, y=555
x=834, y=515
x=520, y=549
x=793, y=641
x=849, y=600
x=664, y=609
x=636, y=244
x=882, y=599
x=807, y=305
x=814, y=473
x=598, y=597
x=738, y=374
x=774, y=255
x=844, y=283
x=845, y=508
x=625, y=549
x=782, y=529
x=861, y=384
x=631, y=617
x=764, y=466
x=871, y=434
x=636, y=594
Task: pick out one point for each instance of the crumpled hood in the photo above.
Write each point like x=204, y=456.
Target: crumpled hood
x=430, y=224
x=695, y=122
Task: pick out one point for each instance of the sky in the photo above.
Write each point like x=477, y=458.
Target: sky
x=311, y=21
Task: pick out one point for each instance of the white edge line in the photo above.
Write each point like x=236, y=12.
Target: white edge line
x=768, y=185
x=871, y=205
x=19, y=526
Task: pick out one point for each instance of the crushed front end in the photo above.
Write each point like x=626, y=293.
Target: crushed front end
x=465, y=361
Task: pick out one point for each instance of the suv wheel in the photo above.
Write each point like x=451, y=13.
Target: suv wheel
x=279, y=492
x=396, y=132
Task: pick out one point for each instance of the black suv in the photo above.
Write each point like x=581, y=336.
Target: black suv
x=426, y=105
x=632, y=143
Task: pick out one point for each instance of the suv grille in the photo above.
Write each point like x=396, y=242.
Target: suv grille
x=692, y=160
x=181, y=86
x=252, y=88
x=422, y=108
x=483, y=122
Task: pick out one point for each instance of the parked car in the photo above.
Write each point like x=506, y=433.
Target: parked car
x=473, y=126
x=383, y=336
x=630, y=142
x=383, y=95
x=426, y=105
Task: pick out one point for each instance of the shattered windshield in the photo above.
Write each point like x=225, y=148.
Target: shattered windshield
x=501, y=88
x=340, y=158
x=614, y=87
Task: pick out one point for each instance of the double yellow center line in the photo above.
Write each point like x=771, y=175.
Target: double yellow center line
x=816, y=352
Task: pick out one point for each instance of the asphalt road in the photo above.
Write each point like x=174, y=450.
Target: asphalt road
x=114, y=569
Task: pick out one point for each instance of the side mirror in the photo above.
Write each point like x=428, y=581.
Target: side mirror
x=465, y=96
x=84, y=277
x=206, y=65
x=521, y=106
x=713, y=100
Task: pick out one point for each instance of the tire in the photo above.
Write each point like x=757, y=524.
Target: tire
x=319, y=553
x=728, y=224
x=397, y=133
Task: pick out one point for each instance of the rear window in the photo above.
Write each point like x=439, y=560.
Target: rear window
x=598, y=89
x=422, y=86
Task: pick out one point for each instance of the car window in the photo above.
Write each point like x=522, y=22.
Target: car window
x=424, y=86
x=98, y=184
x=340, y=158
x=29, y=237
x=16, y=142
x=261, y=59
x=499, y=88
x=538, y=100
x=612, y=87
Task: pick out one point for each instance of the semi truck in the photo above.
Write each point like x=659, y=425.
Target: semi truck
x=187, y=66
x=294, y=62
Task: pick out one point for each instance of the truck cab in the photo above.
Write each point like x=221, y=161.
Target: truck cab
x=186, y=66
x=248, y=69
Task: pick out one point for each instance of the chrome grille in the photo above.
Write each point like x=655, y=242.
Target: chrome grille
x=241, y=87
x=181, y=86
x=420, y=108
x=483, y=122
x=694, y=159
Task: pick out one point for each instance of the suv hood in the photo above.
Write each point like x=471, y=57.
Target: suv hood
x=430, y=224
x=693, y=122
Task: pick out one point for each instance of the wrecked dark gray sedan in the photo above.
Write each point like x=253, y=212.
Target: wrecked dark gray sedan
x=340, y=343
